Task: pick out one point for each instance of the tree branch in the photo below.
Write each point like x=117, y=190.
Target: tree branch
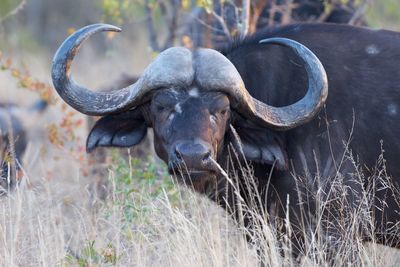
x=221, y=21
x=13, y=12
x=245, y=18
x=359, y=12
x=150, y=27
x=173, y=24
x=257, y=9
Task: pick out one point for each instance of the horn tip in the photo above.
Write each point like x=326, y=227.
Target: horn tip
x=109, y=27
x=278, y=40
x=114, y=28
x=93, y=28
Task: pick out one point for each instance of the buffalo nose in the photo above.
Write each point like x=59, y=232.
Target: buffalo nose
x=193, y=155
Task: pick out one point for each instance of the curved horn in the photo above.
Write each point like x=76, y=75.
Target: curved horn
x=224, y=77
x=171, y=67
x=306, y=108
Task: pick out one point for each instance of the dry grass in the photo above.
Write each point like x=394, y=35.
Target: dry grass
x=54, y=222
x=42, y=227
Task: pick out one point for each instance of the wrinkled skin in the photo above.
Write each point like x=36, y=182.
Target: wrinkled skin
x=205, y=116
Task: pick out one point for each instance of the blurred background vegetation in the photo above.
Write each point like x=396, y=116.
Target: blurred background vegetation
x=32, y=30
x=384, y=14
x=39, y=25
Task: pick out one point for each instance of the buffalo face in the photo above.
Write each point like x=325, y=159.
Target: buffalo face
x=189, y=128
x=189, y=132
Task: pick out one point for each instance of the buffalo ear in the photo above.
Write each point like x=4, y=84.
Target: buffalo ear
x=262, y=145
x=121, y=130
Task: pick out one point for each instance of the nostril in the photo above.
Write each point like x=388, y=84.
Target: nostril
x=207, y=156
x=178, y=154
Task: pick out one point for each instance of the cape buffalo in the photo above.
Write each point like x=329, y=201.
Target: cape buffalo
x=266, y=98
x=13, y=141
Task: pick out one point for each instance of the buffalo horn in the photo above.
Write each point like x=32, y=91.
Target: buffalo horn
x=215, y=72
x=305, y=109
x=173, y=67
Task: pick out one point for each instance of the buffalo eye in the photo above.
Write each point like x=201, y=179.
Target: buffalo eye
x=223, y=112
x=219, y=105
x=218, y=115
x=164, y=102
x=159, y=107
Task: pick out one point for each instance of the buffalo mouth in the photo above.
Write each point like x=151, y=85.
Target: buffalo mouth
x=193, y=174
x=199, y=180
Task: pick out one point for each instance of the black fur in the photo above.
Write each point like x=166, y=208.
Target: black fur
x=360, y=117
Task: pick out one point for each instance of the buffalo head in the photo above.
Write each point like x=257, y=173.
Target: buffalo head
x=192, y=100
